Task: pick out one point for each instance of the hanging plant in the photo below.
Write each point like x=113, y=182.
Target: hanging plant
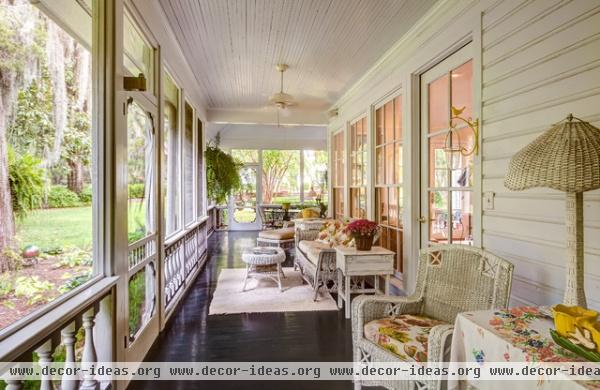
x=222, y=173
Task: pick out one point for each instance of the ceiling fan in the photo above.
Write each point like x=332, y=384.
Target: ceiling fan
x=281, y=100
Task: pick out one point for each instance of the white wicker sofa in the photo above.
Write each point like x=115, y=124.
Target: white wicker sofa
x=450, y=279
x=315, y=260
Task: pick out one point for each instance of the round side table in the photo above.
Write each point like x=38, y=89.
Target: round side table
x=264, y=262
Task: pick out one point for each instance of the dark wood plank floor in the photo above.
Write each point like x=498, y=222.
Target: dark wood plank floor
x=193, y=335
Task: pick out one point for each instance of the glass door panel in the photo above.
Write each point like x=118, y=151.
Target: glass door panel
x=446, y=178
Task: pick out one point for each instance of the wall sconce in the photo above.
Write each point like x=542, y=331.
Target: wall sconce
x=452, y=144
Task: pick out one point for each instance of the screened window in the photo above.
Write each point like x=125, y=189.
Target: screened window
x=358, y=171
x=200, y=170
x=137, y=53
x=171, y=164
x=48, y=156
x=281, y=176
x=389, y=201
x=315, y=175
x=245, y=155
x=188, y=165
x=140, y=172
x=337, y=176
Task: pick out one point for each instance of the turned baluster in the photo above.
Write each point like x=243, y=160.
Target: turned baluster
x=168, y=275
x=89, y=358
x=45, y=360
x=181, y=263
x=69, y=382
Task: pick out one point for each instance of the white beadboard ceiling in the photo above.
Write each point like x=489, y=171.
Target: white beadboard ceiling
x=233, y=46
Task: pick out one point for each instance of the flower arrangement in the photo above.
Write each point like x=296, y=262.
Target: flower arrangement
x=362, y=227
x=363, y=232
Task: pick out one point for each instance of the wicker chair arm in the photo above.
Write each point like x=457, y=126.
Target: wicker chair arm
x=306, y=235
x=438, y=350
x=439, y=341
x=366, y=308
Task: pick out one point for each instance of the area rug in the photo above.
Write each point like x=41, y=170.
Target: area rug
x=263, y=295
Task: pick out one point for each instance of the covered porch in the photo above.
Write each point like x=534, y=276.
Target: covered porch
x=330, y=181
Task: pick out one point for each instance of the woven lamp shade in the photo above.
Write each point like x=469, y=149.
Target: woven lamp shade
x=565, y=158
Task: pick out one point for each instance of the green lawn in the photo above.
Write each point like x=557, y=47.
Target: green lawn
x=69, y=227
x=245, y=215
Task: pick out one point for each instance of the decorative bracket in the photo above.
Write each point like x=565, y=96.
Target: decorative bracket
x=453, y=133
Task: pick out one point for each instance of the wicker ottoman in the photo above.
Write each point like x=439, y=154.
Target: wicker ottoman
x=264, y=262
x=280, y=238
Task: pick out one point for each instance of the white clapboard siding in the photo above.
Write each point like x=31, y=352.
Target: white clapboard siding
x=541, y=61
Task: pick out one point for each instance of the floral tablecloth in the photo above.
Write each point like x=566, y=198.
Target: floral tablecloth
x=519, y=334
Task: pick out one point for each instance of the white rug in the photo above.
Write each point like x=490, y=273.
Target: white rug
x=263, y=295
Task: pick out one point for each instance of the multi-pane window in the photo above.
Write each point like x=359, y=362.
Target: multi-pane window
x=358, y=171
x=188, y=164
x=450, y=175
x=171, y=166
x=337, y=174
x=388, y=176
x=48, y=154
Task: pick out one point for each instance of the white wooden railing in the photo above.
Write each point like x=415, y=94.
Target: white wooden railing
x=184, y=256
x=73, y=326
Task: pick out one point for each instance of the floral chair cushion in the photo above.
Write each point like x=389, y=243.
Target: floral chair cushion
x=406, y=335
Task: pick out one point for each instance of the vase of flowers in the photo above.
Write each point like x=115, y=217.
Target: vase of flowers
x=363, y=231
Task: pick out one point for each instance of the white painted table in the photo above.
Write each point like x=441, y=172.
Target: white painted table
x=354, y=263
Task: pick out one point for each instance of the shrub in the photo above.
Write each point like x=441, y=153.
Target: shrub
x=6, y=285
x=61, y=197
x=33, y=288
x=74, y=282
x=26, y=182
x=136, y=235
x=75, y=258
x=85, y=197
x=136, y=191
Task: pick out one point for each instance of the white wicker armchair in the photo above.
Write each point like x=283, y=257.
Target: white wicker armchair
x=450, y=279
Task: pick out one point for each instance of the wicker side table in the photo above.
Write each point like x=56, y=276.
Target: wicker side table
x=264, y=262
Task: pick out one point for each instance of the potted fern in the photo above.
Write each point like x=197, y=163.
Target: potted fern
x=222, y=173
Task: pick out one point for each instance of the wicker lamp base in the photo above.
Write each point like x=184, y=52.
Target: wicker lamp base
x=574, y=288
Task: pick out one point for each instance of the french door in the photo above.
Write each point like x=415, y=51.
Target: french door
x=243, y=205
x=447, y=178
